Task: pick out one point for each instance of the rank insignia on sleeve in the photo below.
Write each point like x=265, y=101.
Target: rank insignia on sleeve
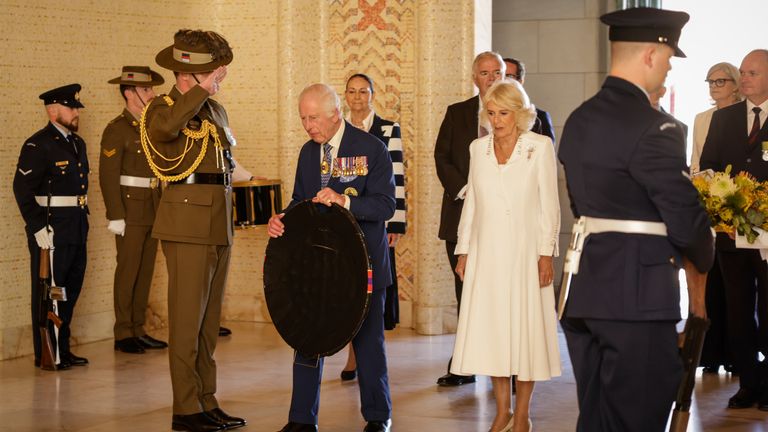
x=109, y=153
x=62, y=164
x=350, y=191
x=667, y=125
x=24, y=172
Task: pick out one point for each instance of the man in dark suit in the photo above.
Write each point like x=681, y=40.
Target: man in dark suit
x=459, y=128
x=624, y=163
x=53, y=162
x=370, y=196
x=738, y=136
x=543, y=124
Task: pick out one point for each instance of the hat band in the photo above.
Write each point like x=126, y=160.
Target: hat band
x=666, y=36
x=192, y=57
x=136, y=77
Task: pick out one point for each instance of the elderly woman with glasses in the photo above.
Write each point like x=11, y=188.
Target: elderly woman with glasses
x=507, y=238
x=723, y=79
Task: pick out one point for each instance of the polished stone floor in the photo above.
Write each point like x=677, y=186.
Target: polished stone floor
x=123, y=392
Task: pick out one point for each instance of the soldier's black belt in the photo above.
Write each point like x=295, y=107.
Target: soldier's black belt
x=224, y=179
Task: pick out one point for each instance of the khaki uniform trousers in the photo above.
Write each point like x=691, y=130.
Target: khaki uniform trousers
x=197, y=274
x=136, y=253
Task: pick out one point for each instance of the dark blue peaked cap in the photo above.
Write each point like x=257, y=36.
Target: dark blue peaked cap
x=68, y=95
x=646, y=25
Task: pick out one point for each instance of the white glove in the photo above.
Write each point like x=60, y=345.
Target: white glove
x=44, y=238
x=117, y=227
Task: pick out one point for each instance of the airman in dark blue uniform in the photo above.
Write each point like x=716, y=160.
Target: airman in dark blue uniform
x=624, y=161
x=53, y=163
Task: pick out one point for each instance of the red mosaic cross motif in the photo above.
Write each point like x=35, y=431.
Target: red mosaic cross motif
x=371, y=15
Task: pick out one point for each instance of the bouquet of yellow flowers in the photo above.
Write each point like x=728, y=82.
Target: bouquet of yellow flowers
x=735, y=204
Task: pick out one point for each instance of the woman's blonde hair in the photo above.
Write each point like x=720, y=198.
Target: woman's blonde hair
x=733, y=73
x=510, y=95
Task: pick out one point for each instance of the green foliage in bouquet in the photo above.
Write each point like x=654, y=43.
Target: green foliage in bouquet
x=734, y=204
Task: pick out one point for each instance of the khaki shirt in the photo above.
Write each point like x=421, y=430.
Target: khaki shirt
x=121, y=154
x=196, y=213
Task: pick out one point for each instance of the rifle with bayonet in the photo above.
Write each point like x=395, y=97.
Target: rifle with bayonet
x=696, y=327
x=45, y=303
x=45, y=313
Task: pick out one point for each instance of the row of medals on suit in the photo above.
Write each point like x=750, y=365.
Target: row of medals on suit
x=346, y=166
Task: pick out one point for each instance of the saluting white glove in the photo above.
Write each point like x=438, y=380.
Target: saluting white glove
x=44, y=238
x=117, y=227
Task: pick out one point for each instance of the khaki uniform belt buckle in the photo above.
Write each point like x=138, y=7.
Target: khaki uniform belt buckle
x=82, y=200
x=153, y=183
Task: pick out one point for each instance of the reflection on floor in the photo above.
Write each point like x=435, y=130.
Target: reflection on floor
x=122, y=392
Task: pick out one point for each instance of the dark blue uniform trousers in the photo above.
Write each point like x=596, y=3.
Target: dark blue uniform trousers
x=376, y=404
x=69, y=263
x=627, y=373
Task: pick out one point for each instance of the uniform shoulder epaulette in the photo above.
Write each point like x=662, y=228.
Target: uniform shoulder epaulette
x=118, y=118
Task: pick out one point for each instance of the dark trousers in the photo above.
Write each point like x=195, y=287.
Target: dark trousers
x=450, y=247
x=627, y=373
x=392, y=300
x=136, y=252
x=375, y=401
x=715, y=351
x=745, y=275
x=69, y=261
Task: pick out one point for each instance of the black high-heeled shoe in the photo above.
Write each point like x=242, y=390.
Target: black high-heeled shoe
x=348, y=375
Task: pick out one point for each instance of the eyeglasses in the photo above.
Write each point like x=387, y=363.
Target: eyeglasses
x=717, y=82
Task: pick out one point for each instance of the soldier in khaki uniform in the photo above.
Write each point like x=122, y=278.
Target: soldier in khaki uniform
x=189, y=140
x=131, y=195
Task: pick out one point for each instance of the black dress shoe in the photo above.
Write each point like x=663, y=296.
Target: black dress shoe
x=744, y=398
x=348, y=375
x=451, y=380
x=762, y=403
x=298, y=427
x=74, y=360
x=129, y=345
x=63, y=364
x=148, y=342
x=223, y=331
x=199, y=422
x=378, y=426
x=230, y=422
x=710, y=369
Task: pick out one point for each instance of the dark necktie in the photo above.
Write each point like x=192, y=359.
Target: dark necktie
x=325, y=166
x=755, y=125
x=71, y=139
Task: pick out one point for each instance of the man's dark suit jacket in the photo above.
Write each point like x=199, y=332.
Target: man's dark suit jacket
x=543, y=124
x=458, y=130
x=625, y=160
x=375, y=200
x=727, y=144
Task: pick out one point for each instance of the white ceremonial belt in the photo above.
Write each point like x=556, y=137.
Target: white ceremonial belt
x=585, y=226
x=63, y=201
x=141, y=182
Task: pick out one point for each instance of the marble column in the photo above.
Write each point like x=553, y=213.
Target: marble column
x=446, y=35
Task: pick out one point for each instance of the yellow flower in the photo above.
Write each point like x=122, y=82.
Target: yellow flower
x=722, y=186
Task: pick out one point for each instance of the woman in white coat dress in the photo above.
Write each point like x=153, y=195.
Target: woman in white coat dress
x=507, y=238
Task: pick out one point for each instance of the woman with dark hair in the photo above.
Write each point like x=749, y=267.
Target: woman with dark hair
x=359, y=96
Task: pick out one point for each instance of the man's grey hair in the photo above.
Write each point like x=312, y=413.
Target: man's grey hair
x=326, y=94
x=488, y=54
